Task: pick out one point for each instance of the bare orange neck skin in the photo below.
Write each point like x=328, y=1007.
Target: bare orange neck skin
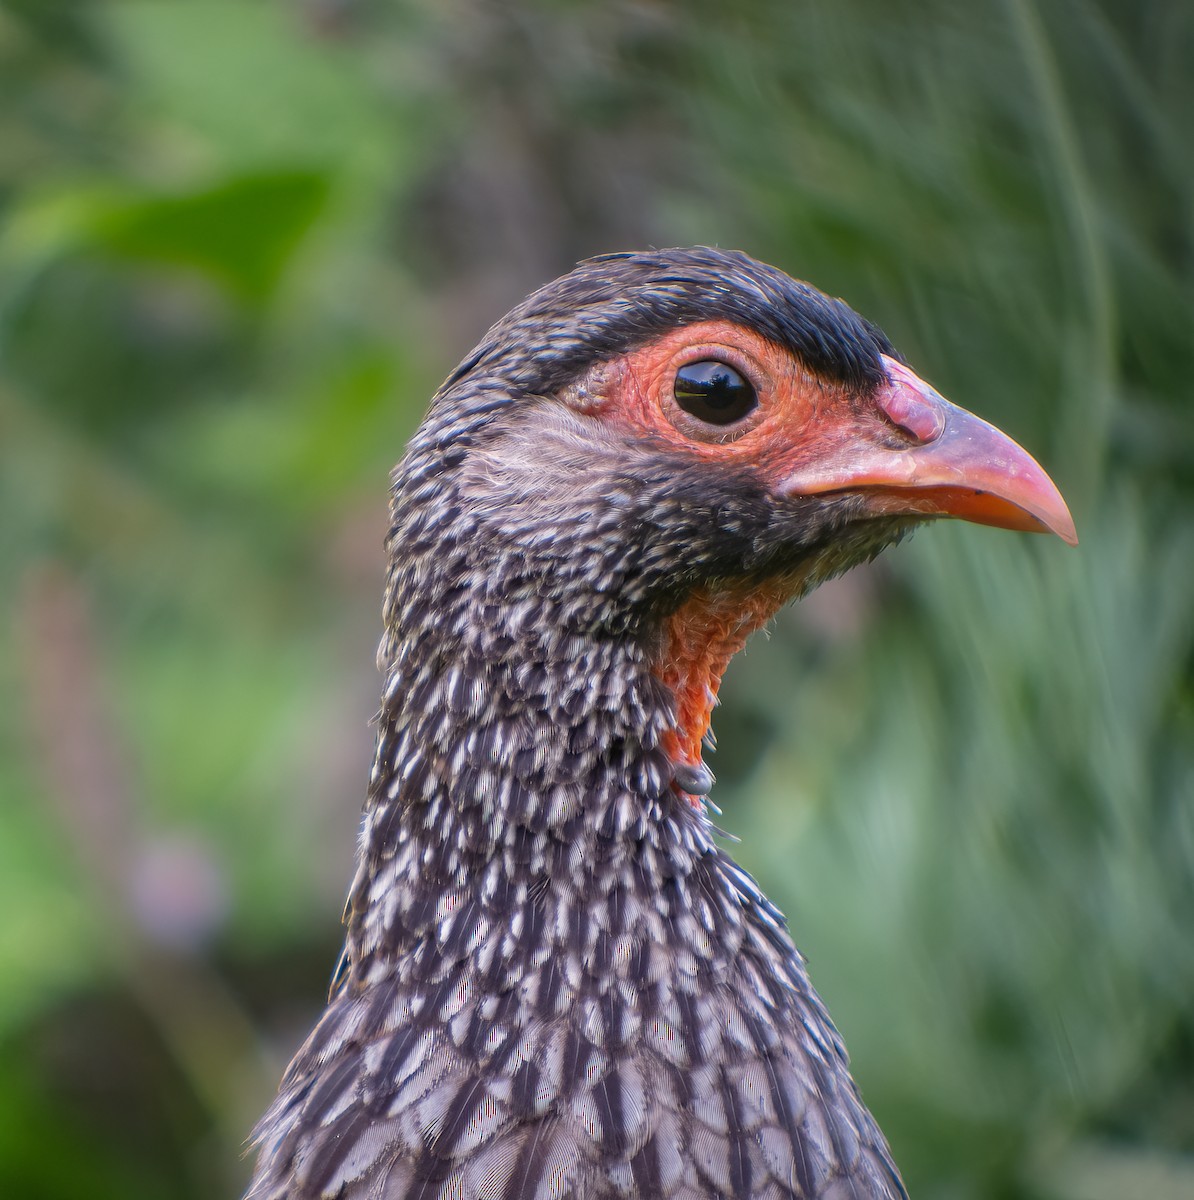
x=699, y=639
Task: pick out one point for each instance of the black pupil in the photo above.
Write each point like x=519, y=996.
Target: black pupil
x=714, y=392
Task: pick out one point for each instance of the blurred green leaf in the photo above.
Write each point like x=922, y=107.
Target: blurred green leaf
x=242, y=232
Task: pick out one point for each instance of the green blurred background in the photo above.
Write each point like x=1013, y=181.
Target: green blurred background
x=241, y=242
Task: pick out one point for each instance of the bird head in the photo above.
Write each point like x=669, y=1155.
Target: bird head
x=662, y=448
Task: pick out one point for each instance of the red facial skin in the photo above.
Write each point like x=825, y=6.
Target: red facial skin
x=904, y=448
x=699, y=640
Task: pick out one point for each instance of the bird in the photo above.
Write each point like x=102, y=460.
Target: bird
x=556, y=982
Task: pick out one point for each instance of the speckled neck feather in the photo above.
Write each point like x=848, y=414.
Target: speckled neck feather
x=556, y=983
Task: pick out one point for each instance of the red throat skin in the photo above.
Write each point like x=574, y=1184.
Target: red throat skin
x=699, y=639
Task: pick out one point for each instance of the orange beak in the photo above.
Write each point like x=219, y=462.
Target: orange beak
x=955, y=466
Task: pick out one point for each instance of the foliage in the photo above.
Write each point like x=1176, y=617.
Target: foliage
x=242, y=239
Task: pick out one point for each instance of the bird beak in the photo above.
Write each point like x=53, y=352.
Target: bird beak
x=955, y=466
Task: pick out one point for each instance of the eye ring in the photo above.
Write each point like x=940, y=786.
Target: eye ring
x=714, y=393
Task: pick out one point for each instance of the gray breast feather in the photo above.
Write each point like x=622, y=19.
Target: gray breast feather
x=712, y=1097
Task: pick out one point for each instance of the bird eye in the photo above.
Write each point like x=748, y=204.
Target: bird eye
x=714, y=392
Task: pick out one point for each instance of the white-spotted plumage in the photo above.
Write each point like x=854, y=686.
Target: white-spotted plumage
x=557, y=984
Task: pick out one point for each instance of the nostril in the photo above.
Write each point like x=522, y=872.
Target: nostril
x=913, y=410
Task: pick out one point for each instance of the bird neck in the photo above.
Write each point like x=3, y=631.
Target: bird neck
x=507, y=765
